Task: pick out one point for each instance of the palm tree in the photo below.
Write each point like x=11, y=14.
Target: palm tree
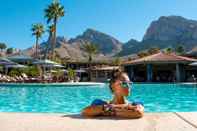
x=51, y=31
x=2, y=46
x=180, y=50
x=117, y=61
x=168, y=50
x=53, y=12
x=9, y=51
x=38, y=31
x=90, y=49
x=153, y=50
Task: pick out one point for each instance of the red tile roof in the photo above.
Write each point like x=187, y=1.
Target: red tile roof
x=161, y=58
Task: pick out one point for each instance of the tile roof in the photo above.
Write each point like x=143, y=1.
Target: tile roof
x=161, y=58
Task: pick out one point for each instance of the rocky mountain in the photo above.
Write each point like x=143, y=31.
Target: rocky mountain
x=167, y=31
x=128, y=47
x=106, y=44
x=172, y=28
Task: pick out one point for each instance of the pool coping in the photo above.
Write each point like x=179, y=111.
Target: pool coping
x=55, y=84
x=186, y=121
x=90, y=83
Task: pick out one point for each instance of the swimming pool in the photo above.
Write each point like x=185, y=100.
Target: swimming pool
x=72, y=99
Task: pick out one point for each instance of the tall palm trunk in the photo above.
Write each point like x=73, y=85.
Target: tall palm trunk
x=36, y=55
x=54, y=38
x=48, y=45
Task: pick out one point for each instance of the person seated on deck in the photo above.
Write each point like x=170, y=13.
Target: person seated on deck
x=118, y=107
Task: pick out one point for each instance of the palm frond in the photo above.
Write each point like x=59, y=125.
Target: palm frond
x=37, y=30
x=54, y=11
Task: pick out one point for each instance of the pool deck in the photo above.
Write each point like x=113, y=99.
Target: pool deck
x=58, y=122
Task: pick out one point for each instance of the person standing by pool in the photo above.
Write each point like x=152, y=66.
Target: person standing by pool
x=119, y=85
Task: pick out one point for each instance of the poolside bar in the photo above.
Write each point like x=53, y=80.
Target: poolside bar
x=161, y=67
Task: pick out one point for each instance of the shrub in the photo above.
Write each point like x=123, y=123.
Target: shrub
x=32, y=71
x=71, y=74
x=14, y=72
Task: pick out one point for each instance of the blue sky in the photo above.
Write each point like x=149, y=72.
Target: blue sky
x=123, y=19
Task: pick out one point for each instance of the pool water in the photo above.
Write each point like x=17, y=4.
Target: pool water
x=72, y=99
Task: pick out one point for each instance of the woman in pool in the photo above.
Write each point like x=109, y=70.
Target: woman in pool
x=118, y=107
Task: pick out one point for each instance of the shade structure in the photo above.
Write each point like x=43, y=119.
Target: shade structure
x=193, y=64
x=44, y=62
x=48, y=64
x=53, y=66
x=5, y=61
x=20, y=58
x=80, y=71
x=15, y=66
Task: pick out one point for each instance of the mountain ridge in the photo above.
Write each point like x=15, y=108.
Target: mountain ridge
x=166, y=31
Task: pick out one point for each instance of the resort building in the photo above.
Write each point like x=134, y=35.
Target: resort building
x=100, y=71
x=102, y=74
x=161, y=67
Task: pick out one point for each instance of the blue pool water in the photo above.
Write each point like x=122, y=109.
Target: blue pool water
x=72, y=99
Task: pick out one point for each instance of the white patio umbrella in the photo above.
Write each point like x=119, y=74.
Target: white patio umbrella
x=80, y=71
x=193, y=64
x=15, y=66
x=53, y=66
x=47, y=64
x=9, y=64
x=5, y=61
x=20, y=58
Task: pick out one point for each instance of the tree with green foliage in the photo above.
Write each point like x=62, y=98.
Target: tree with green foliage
x=53, y=12
x=37, y=31
x=71, y=74
x=117, y=61
x=142, y=54
x=14, y=72
x=168, y=50
x=9, y=51
x=90, y=49
x=2, y=46
x=180, y=50
x=153, y=50
x=32, y=71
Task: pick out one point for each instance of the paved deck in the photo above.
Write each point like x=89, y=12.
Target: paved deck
x=59, y=122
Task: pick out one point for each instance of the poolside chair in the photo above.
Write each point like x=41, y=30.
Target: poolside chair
x=6, y=79
x=18, y=79
x=25, y=78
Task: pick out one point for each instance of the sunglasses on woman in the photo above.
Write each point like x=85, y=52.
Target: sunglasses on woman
x=125, y=84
